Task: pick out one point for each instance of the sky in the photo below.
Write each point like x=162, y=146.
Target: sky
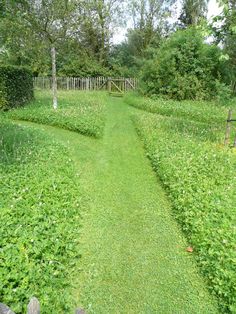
x=213, y=10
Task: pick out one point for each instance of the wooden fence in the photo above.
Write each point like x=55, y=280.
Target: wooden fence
x=89, y=83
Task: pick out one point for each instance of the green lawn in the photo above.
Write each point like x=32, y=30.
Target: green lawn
x=128, y=253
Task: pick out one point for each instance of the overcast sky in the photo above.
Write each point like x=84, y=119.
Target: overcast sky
x=213, y=10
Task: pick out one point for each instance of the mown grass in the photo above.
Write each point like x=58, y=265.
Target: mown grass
x=77, y=111
x=200, y=179
x=134, y=257
x=39, y=217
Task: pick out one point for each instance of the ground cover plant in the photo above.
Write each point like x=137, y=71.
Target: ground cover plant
x=76, y=112
x=39, y=220
x=199, y=175
x=123, y=205
x=199, y=111
x=206, y=120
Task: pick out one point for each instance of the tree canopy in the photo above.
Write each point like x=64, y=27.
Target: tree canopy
x=81, y=32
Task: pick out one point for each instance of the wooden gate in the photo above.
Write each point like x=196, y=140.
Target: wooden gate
x=118, y=86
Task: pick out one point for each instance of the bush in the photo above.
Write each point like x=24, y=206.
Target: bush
x=185, y=67
x=16, y=86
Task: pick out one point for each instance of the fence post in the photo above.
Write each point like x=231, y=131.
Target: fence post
x=227, y=134
x=109, y=85
x=87, y=83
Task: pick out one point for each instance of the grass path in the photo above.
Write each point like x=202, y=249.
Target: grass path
x=134, y=256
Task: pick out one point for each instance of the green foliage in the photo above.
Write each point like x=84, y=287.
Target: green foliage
x=16, y=86
x=185, y=68
x=223, y=29
x=200, y=179
x=193, y=11
x=75, y=28
x=84, y=67
x=77, y=112
x=201, y=111
x=39, y=220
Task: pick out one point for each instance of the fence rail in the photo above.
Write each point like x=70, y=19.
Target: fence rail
x=78, y=83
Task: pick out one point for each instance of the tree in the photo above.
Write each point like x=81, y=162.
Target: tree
x=100, y=18
x=149, y=21
x=224, y=30
x=193, y=11
x=49, y=21
x=82, y=40
x=185, y=67
x=20, y=46
x=150, y=26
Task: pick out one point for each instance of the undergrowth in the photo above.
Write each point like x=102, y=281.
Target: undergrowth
x=76, y=112
x=39, y=220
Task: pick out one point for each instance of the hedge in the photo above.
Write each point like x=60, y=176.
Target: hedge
x=16, y=86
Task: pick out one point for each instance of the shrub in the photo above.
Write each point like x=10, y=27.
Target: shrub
x=185, y=67
x=16, y=86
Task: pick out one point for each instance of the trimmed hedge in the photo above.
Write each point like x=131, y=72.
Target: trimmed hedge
x=16, y=86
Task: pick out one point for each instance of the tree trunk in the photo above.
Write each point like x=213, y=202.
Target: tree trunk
x=54, y=78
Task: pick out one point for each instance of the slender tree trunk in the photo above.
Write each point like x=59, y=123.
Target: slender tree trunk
x=54, y=78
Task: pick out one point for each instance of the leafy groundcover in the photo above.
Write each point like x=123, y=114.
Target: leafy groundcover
x=39, y=220
x=76, y=112
x=200, y=178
